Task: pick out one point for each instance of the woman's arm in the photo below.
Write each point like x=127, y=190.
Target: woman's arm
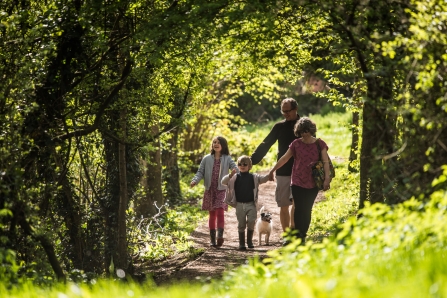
x=327, y=171
x=281, y=162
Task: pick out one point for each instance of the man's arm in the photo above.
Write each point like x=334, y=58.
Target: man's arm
x=265, y=146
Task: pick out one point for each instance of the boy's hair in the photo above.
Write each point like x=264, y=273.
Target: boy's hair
x=304, y=124
x=246, y=159
x=223, y=142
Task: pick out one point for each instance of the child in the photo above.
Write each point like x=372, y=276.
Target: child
x=212, y=167
x=242, y=193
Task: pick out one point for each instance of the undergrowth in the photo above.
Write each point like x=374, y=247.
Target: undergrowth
x=166, y=233
x=388, y=251
x=380, y=251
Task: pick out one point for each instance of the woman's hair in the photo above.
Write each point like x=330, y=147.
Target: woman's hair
x=245, y=159
x=223, y=142
x=304, y=124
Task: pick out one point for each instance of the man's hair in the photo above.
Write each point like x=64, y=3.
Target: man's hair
x=305, y=124
x=223, y=142
x=293, y=103
x=246, y=159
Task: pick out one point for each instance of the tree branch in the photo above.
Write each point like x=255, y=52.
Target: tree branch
x=109, y=100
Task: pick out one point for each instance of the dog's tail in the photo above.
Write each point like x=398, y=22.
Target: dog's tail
x=262, y=210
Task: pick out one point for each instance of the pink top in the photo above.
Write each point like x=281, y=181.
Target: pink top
x=305, y=155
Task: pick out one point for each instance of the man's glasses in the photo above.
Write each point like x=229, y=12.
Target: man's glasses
x=242, y=164
x=286, y=111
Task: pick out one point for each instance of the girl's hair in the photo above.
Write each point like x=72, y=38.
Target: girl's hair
x=223, y=142
x=304, y=124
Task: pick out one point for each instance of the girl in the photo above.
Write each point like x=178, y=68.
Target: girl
x=304, y=191
x=212, y=168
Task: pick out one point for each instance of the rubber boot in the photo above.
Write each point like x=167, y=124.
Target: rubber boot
x=220, y=239
x=213, y=238
x=242, y=241
x=250, y=239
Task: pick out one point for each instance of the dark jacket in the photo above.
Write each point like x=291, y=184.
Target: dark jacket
x=230, y=195
x=282, y=132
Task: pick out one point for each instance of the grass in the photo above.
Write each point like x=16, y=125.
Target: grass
x=334, y=129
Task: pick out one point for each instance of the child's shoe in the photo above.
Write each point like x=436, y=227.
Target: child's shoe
x=220, y=239
x=213, y=238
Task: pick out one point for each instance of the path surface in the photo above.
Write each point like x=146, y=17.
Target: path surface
x=214, y=261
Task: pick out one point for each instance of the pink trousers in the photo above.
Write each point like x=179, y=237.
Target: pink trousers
x=219, y=215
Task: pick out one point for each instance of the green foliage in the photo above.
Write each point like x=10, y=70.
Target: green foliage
x=8, y=269
x=165, y=234
x=340, y=203
x=394, y=250
x=388, y=251
x=420, y=100
x=70, y=68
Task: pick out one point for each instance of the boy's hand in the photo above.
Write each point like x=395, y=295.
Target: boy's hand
x=271, y=176
x=233, y=172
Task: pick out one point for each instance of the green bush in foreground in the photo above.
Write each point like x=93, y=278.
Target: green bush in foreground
x=387, y=252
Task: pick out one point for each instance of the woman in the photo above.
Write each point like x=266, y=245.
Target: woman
x=304, y=191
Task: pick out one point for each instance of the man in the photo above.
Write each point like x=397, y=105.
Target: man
x=282, y=132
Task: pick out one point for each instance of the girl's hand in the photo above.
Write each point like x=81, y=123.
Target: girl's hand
x=234, y=171
x=192, y=184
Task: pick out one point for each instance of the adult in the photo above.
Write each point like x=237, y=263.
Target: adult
x=282, y=132
x=304, y=152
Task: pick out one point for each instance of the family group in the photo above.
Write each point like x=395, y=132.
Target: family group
x=229, y=183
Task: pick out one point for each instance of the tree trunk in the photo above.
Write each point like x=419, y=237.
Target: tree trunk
x=171, y=174
x=121, y=261
x=354, y=140
x=72, y=217
x=109, y=202
x=44, y=241
x=377, y=140
x=151, y=181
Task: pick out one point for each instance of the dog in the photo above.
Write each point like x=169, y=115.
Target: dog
x=264, y=225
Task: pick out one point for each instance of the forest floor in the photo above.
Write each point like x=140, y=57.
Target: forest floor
x=213, y=262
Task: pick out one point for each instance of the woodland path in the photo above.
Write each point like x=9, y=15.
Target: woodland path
x=214, y=261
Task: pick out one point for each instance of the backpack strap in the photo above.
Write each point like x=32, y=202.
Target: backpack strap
x=319, y=148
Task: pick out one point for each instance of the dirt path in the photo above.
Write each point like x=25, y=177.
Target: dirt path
x=214, y=261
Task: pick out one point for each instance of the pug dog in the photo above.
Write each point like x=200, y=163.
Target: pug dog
x=264, y=225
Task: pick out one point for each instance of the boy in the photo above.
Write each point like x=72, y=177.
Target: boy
x=242, y=193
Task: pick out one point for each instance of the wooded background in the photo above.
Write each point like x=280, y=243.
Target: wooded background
x=104, y=105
